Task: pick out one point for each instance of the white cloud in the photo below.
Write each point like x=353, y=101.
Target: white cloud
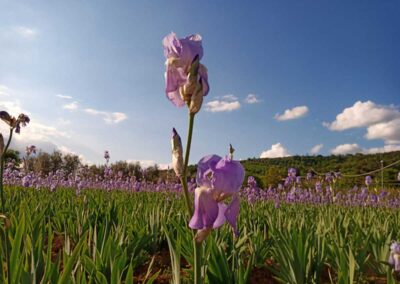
x=229, y=97
x=251, y=99
x=12, y=107
x=108, y=117
x=39, y=131
x=316, y=149
x=25, y=32
x=388, y=131
x=277, y=150
x=67, y=151
x=294, y=113
x=226, y=103
x=64, y=97
x=362, y=114
x=71, y=106
x=382, y=122
x=347, y=149
x=386, y=148
x=4, y=91
x=355, y=148
x=35, y=130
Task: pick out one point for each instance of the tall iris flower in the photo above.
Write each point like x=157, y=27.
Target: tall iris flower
x=15, y=123
x=107, y=156
x=186, y=80
x=217, y=179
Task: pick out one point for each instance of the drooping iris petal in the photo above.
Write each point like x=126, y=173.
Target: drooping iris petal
x=221, y=218
x=228, y=176
x=232, y=213
x=7, y=118
x=205, y=168
x=174, y=78
x=205, y=209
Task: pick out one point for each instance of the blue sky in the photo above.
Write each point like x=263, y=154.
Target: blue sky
x=91, y=76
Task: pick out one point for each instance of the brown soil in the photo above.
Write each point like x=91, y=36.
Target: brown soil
x=161, y=264
x=262, y=276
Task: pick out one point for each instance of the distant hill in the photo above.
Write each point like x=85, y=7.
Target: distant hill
x=272, y=171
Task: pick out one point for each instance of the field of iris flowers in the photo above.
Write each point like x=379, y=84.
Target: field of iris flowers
x=141, y=236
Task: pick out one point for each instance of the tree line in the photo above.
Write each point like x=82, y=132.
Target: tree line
x=267, y=171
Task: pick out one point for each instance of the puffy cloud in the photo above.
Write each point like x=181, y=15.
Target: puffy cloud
x=251, y=99
x=316, y=149
x=224, y=104
x=355, y=148
x=108, y=117
x=382, y=122
x=67, y=151
x=277, y=150
x=389, y=131
x=71, y=106
x=386, y=148
x=294, y=113
x=347, y=149
x=362, y=114
x=41, y=132
x=35, y=130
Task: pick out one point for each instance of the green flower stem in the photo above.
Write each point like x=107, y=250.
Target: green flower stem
x=185, y=165
x=197, y=246
x=197, y=262
x=2, y=161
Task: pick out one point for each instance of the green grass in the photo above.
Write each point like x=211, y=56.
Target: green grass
x=107, y=237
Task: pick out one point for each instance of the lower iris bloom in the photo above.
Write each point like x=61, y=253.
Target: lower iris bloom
x=218, y=179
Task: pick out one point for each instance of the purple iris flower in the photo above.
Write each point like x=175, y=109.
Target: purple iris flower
x=180, y=54
x=338, y=175
x=368, y=180
x=328, y=177
x=394, y=258
x=251, y=182
x=217, y=179
x=318, y=187
x=292, y=172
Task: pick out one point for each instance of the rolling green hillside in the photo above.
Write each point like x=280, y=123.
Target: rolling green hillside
x=272, y=171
